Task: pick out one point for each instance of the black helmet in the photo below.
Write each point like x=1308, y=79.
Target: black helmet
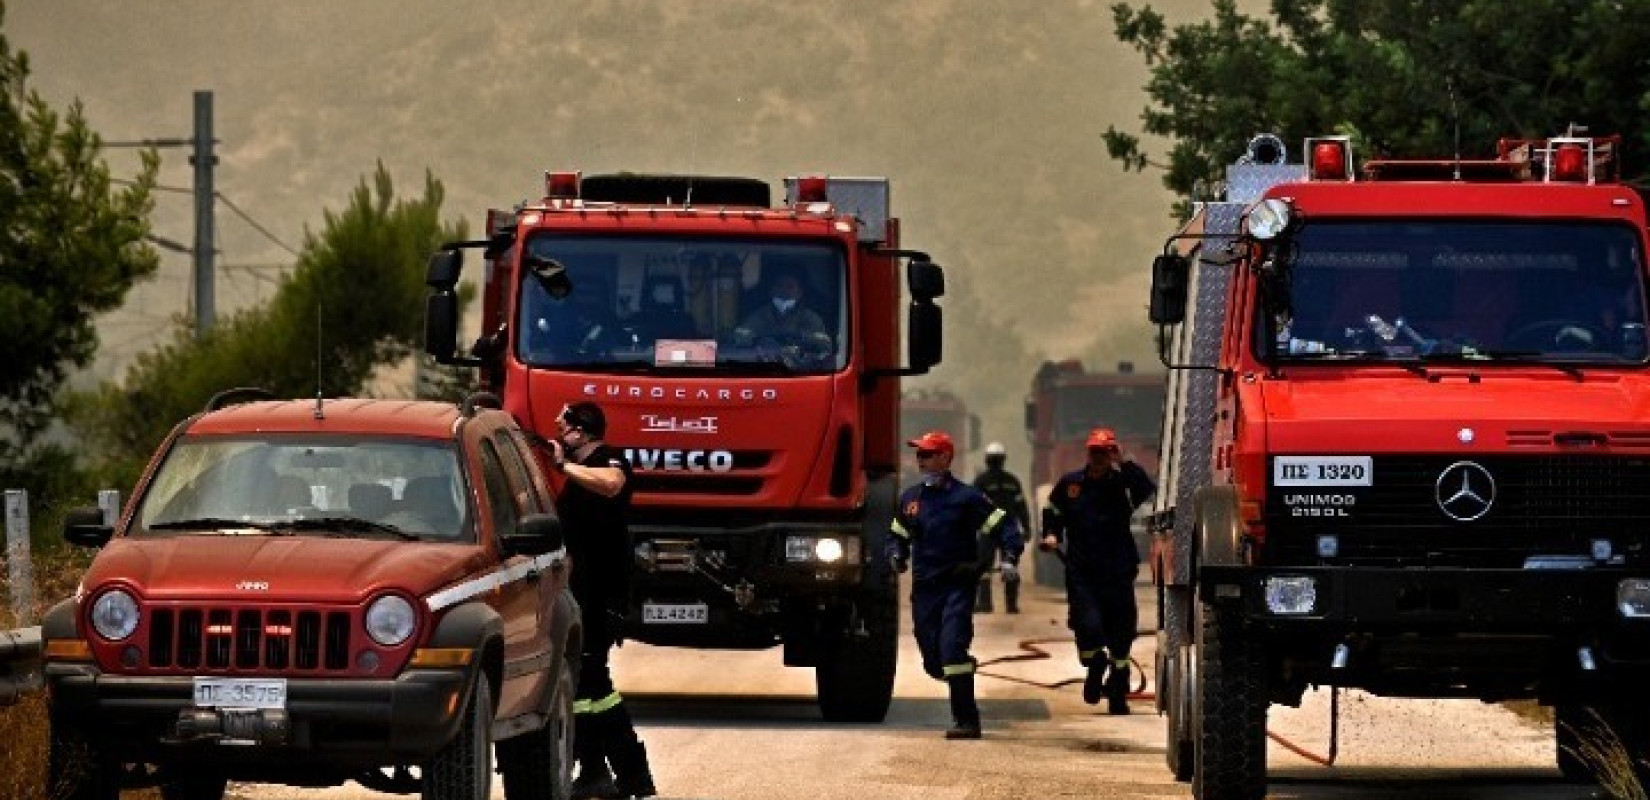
x=587, y=417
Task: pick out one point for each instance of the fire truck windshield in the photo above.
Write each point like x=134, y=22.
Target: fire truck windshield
x=1559, y=290
x=726, y=305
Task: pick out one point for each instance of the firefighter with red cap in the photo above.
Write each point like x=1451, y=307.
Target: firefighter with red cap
x=1089, y=510
x=947, y=532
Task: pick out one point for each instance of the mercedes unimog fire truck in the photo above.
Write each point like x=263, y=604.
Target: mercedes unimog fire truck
x=1407, y=447
x=748, y=358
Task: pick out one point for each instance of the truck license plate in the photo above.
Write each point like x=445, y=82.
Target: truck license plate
x=675, y=613
x=240, y=692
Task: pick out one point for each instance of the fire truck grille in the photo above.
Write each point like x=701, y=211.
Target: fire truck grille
x=1540, y=506
x=296, y=641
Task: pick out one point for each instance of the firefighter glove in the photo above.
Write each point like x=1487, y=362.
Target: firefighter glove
x=1011, y=572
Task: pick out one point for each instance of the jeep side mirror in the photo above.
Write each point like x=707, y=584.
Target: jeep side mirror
x=535, y=535
x=84, y=527
x=1170, y=274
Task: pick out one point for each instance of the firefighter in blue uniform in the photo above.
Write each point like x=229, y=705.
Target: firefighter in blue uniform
x=947, y=532
x=1089, y=511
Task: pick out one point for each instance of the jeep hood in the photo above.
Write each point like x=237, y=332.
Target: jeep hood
x=1414, y=415
x=257, y=568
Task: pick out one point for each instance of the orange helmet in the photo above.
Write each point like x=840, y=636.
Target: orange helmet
x=1103, y=438
x=934, y=440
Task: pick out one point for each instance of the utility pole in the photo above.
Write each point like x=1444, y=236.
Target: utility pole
x=204, y=160
x=205, y=250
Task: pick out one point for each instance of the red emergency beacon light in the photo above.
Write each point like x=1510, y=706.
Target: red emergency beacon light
x=561, y=185
x=811, y=189
x=1331, y=158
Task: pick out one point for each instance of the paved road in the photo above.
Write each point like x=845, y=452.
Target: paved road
x=738, y=726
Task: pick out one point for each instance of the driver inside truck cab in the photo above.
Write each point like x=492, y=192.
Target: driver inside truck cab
x=785, y=319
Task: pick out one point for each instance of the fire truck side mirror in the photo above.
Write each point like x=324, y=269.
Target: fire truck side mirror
x=1170, y=274
x=443, y=269
x=925, y=279
x=441, y=325
x=923, y=324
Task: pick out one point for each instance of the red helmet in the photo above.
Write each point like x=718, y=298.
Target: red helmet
x=934, y=440
x=1103, y=438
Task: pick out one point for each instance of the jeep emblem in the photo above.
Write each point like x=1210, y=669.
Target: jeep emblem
x=252, y=586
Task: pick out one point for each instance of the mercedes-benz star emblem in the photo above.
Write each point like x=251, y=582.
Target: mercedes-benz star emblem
x=1465, y=491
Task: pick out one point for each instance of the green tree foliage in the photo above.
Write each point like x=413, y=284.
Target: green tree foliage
x=70, y=247
x=354, y=301
x=1402, y=77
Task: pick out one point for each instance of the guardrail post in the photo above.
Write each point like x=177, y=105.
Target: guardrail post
x=18, y=556
x=108, y=500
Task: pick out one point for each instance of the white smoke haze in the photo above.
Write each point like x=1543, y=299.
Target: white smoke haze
x=987, y=117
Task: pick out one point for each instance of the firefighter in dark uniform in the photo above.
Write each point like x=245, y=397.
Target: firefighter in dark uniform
x=1089, y=511
x=1004, y=491
x=592, y=506
x=946, y=531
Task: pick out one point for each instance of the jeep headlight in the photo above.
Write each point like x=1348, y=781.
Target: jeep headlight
x=1291, y=594
x=390, y=620
x=114, y=615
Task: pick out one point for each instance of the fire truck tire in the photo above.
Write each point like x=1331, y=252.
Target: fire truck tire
x=75, y=768
x=194, y=787
x=463, y=768
x=539, y=765
x=1176, y=684
x=1229, y=715
x=855, y=675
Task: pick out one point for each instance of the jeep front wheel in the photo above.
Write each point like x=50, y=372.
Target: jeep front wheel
x=463, y=768
x=539, y=765
x=855, y=674
x=1229, y=712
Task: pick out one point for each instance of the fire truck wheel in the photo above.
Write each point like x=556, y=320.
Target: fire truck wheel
x=539, y=765
x=1229, y=715
x=75, y=768
x=1176, y=682
x=855, y=675
x=194, y=787
x=463, y=768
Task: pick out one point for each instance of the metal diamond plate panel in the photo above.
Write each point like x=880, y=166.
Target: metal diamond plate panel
x=1245, y=183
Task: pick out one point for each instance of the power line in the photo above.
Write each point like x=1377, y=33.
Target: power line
x=255, y=224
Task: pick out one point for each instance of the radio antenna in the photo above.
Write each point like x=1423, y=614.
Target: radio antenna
x=1455, y=115
x=319, y=414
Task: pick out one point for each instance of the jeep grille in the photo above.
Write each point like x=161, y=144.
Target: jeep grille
x=296, y=640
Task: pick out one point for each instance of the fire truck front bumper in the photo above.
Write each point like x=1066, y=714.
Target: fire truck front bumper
x=1606, y=606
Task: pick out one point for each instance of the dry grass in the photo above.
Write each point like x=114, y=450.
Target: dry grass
x=1619, y=771
x=24, y=727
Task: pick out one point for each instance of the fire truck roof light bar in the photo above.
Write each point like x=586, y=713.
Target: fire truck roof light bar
x=1330, y=158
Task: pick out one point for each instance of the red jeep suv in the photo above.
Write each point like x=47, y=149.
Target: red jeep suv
x=309, y=592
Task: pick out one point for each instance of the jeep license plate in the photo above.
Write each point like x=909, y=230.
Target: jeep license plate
x=240, y=692
x=675, y=613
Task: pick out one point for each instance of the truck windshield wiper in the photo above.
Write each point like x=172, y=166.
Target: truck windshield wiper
x=1361, y=357
x=347, y=525
x=757, y=367
x=208, y=523
x=1530, y=357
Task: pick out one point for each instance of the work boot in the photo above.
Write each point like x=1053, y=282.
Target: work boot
x=634, y=777
x=963, y=730
x=1117, y=689
x=965, y=713
x=1094, y=683
x=594, y=785
x=1011, y=596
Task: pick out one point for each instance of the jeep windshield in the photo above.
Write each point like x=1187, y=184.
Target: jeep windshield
x=308, y=486
x=703, y=305
x=1550, y=291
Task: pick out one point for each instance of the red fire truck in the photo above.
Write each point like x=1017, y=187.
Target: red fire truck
x=749, y=360
x=1067, y=401
x=923, y=410
x=1407, y=449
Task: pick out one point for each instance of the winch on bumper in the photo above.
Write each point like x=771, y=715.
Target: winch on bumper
x=321, y=721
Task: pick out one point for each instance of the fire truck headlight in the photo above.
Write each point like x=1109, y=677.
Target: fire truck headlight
x=115, y=615
x=1291, y=594
x=822, y=549
x=1633, y=597
x=1268, y=219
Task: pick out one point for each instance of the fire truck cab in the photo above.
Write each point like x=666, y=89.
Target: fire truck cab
x=748, y=358
x=1406, y=447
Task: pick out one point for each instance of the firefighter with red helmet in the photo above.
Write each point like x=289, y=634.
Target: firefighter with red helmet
x=1005, y=492
x=947, y=532
x=1089, y=510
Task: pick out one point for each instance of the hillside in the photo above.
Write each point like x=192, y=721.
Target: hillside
x=986, y=116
